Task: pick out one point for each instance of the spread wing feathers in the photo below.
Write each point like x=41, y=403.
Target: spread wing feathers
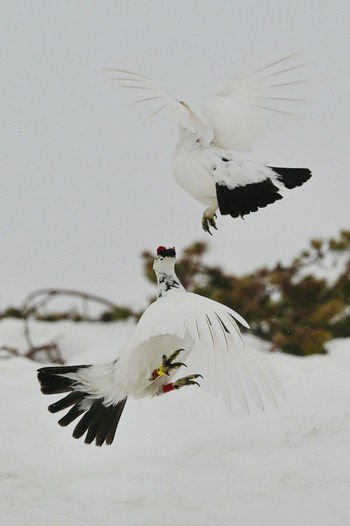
x=154, y=94
x=187, y=314
x=236, y=373
x=229, y=369
x=253, y=102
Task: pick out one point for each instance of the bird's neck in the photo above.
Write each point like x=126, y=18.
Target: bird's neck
x=168, y=283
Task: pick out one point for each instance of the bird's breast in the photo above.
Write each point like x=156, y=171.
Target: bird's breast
x=192, y=170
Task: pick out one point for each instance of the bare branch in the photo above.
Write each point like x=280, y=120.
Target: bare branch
x=38, y=300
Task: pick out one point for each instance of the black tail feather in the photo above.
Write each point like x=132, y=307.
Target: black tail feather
x=89, y=420
x=292, y=177
x=99, y=421
x=242, y=200
x=75, y=397
x=72, y=414
x=52, y=381
x=108, y=433
x=96, y=424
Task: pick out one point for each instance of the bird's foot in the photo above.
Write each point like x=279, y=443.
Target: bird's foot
x=168, y=364
x=187, y=380
x=182, y=382
x=208, y=220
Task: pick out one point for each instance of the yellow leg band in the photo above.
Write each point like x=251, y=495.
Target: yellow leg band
x=157, y=373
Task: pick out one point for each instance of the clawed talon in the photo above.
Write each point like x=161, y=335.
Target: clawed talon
x=187, y=380
x=208, y=220
x=167, y=365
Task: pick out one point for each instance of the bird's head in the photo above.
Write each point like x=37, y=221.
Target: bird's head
x=164, y=261
x=164, y=268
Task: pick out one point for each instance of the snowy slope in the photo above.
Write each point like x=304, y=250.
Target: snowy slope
x=181, y=458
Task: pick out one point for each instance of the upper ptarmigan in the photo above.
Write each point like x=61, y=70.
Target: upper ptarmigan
x=178, y=329
x=208, y=161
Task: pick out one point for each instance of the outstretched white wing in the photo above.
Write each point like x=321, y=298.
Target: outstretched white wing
x=217, y=352
x=255, y=101
x=154, y=94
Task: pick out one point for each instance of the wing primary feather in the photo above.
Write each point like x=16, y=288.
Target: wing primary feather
x=236, y=327
x=127, y=79
x=272, y=64
x=272, y=376
x=226, y=383
x=225, y=329
x=288, y=99
x=284, y=84
x=264, y=384
x=133, y=87
x=282, y=71
x=251, y=384
x=274, y=109
x=147, y=99
x=222, y=323
x=209, y=326
x=158, y=110
x=266, y=376
x=199, y=334
x=258, y=373
x=133, y=73
x=235, y=379
x=236, y=317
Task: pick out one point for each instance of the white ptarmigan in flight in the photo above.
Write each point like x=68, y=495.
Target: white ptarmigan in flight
x=208, y=161
x=179, y=329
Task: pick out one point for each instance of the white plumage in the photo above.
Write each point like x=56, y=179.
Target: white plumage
x=211, y=347
x=208, y=161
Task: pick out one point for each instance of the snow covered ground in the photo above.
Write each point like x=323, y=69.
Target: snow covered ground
x=181, y=459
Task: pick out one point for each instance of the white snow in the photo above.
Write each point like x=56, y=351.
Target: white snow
x=180, y=459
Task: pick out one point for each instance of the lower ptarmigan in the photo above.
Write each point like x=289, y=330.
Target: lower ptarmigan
x=179, y=329
x=209, y=161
